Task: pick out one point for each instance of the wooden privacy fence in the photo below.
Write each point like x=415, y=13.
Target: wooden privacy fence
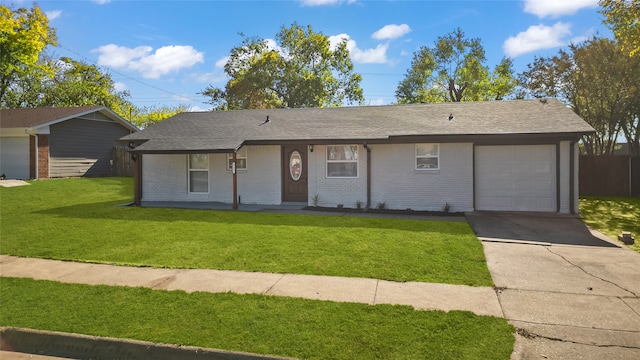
x=122, y=164
x=614, y=175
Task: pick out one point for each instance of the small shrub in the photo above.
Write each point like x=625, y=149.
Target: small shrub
x=358, y=204
x=315, y=200
x=381, y=206
x=446, y=208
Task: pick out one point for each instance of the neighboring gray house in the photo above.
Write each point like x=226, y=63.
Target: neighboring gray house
x=41, y=143
x=519, y=155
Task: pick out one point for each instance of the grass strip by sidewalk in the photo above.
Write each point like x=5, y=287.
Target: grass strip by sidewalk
x=612, y=215
x=252, y=323
x=77, y=219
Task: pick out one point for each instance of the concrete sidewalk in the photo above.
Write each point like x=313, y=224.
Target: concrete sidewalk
x=422, y=296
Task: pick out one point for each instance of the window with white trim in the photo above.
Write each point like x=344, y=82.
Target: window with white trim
x=342, y=161
x=427, y=156
x=198, y=173
x=241, y=160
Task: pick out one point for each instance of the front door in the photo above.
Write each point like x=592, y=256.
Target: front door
x=294, y=173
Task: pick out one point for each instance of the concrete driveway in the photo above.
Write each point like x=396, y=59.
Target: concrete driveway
x=571, y=292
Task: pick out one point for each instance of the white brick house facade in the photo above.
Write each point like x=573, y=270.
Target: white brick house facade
x=395, y=181
x=492, y=156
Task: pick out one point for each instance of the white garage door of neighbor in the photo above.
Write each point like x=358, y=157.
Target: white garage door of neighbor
x=14, y=157
x=516, y=178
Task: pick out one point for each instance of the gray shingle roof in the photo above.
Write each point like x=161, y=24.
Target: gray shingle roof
x=228, y=130
x=36, y=117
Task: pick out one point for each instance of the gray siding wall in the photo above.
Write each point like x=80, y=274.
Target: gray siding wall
x=83, y=147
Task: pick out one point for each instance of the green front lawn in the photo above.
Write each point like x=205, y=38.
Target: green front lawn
x=251, y=323
x=77, y=219
x=613, y=215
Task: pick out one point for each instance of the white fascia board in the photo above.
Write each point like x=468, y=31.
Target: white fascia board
x=14, y=132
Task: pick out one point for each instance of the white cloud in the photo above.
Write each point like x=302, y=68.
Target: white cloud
x=537, y=37
x=376, y=102
x=210, y=77
x=53, y=14
x=324, y=2
x=120, y=87
x=101, y=2
x=391, y=31
x=120, y=56
x=377, y=55
x=222, y=62
x=556, y=8
x=151, y=65
x=197, y=109
x=182, y=98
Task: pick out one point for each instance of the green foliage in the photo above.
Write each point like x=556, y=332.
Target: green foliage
x=77, y=219
x=612, y=216
x=28, y=78
x=454, y=70
x=66, y=82
x=298, y=328
x=623, y=18
x=150, y=115
x=301, y=71
x=601, y=85
x=76, y=84
x=24, y=34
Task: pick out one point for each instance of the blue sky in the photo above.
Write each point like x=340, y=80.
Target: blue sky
x=165, y=52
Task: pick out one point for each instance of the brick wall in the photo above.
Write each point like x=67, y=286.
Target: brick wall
x=397, y=183
x=260, y=184
x=165, y=178
x=43, y=156
x=334, y=191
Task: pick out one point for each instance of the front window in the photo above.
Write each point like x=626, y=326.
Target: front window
x=198, y=173
x=427, y=157
x=342, y=161
x=241, y=160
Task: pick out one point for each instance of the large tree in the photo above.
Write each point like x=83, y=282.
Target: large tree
x=24, y=33
x=65, y=82
x=599, y=82
x=623, y=18
x=301, y=70
x=454, y=70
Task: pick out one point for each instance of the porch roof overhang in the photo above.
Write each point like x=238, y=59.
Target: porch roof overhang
x=185, y=146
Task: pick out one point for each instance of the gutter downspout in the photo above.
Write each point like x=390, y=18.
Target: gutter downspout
x=235, y=182
x=572, y=186
x=366, y=147
x=558, y=194
x=37, y=175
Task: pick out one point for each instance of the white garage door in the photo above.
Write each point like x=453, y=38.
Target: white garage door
x=14, y=157
x=516, y=178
